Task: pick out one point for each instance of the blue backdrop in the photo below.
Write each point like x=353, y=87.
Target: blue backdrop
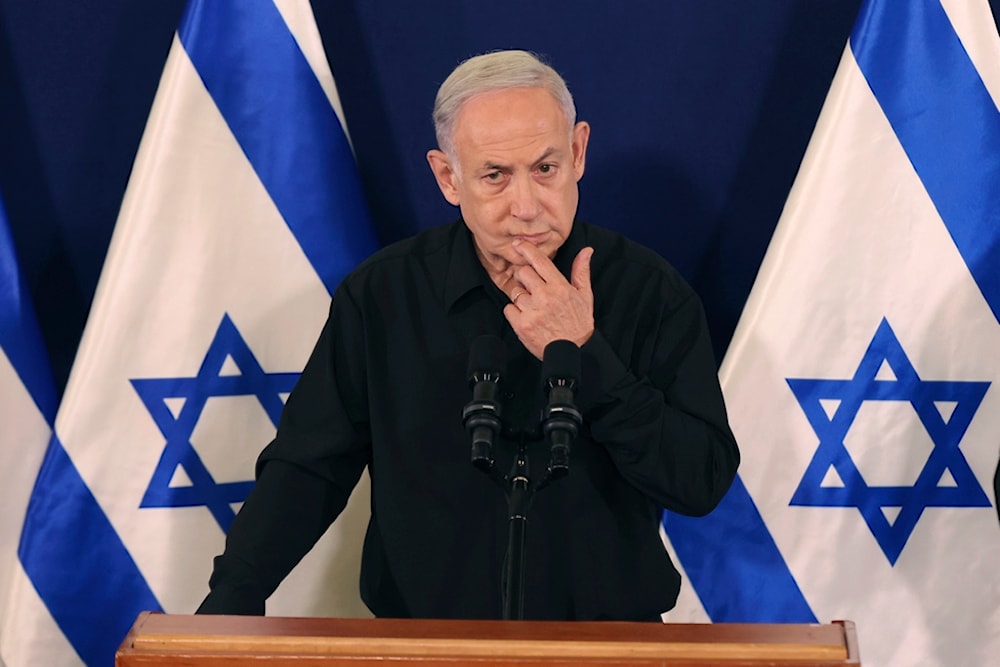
x=701, y=112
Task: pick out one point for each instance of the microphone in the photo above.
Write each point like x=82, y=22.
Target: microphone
x=481, y=416
x=560, y=419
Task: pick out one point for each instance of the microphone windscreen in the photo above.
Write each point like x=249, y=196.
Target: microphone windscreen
x=561, y=360
x=488, y=355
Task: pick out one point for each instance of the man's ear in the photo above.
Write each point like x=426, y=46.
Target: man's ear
x=445, y=175
x=581, y=135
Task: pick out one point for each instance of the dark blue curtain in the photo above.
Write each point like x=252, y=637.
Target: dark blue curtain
x=701, y=112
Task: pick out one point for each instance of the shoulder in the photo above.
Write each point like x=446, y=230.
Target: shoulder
x=425, y=244
x=621, y=265
x=428, y=248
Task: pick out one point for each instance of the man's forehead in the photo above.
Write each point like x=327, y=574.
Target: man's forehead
x=520, y=120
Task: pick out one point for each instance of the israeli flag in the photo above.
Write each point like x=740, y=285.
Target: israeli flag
x=863, y=380
x=27, y=411
x=243, y=212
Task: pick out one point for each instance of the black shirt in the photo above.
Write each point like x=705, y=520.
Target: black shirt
x=385, y=387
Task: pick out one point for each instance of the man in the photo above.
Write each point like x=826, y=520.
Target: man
x=387, y=382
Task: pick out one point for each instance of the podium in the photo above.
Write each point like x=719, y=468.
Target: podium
x=157, y=640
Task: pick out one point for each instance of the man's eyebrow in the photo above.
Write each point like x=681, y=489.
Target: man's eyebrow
x=494, y=166
x=548, y=154
x=497, y=166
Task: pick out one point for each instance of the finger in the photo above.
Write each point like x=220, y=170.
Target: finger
x=580, y=273
x=538, y=260
x=513, y=315
x=529, y=279
x=518, y=322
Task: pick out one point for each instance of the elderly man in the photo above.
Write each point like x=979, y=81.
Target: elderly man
x=386, y=385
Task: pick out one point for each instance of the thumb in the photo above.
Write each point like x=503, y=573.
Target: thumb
x=580, y=273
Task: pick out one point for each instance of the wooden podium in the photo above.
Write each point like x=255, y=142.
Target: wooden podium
x=157, y=640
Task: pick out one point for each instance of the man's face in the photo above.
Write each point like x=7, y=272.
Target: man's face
x=515, y=172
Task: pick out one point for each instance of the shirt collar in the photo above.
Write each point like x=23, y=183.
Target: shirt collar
x=466, y=272
x=575, y=242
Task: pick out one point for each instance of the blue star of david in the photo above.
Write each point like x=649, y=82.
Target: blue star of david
x=946, y=435
x=178, y=451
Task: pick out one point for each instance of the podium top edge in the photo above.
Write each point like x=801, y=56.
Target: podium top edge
x=802, y=633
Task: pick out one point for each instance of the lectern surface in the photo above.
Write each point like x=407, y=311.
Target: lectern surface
x=217, y=641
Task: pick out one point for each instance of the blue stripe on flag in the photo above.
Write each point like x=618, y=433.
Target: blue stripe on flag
x=285, y=124
x=734, y=565
x=20, y=338
x=945, y=120
x=78, y=564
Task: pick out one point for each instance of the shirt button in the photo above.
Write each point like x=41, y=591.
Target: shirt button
x=509, y=395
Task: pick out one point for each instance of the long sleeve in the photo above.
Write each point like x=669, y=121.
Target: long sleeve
x=304, y=477
x=285, y=514
x=665, y=430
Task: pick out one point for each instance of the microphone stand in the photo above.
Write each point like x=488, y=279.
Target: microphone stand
x=560, y=424
x=520, y=492
x=519, y=495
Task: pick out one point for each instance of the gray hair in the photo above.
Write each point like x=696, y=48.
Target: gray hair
x=497, y=70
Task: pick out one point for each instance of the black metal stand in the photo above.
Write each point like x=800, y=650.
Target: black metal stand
x=520, y=492
x=519, y=498
x=560, y=424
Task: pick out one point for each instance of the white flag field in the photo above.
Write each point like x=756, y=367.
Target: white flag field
x=863, y=380
x=242, y=213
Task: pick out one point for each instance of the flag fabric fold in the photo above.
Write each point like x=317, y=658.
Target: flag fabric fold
x=243, y=211
x=27, y=412
x=862, y=380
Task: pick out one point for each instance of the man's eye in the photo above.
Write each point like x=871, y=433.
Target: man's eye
x=546, y=168
x=493, y=176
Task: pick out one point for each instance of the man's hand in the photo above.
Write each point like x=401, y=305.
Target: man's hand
x=547, y=307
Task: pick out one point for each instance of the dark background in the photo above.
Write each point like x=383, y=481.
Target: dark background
x=700, y=111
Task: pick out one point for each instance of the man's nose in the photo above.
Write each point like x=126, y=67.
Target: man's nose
x=524, y=203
